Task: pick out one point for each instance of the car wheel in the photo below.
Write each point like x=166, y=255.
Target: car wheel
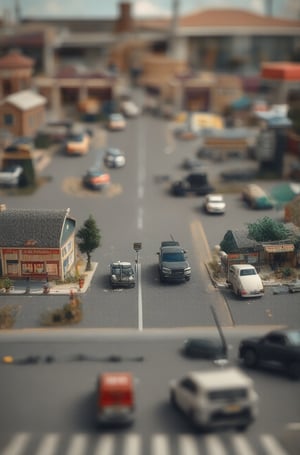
x=241, y=428
x=250, y=358
x=294, y=370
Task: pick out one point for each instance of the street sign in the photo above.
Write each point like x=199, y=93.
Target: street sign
x=137, y=246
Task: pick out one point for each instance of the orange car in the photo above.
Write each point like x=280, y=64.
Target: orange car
x=78, y=144
x=96, y=179
x=115, y=398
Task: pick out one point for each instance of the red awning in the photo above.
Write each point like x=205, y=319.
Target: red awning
x=281, y=71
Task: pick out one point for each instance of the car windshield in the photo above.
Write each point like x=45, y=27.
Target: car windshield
x=246, y=272
x=76, y=137
x=116, y=117
x=173, y=257
x=122, y=269
x=113, y=152
x=294, y=337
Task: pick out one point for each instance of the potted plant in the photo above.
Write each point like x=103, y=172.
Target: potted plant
x=7, y=282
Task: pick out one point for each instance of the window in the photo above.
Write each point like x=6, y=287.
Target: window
x=276, y=339
x=8, y=119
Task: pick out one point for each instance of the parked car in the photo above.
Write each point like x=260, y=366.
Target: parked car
x=204, y=348
x=129, y=108
x=294, y=286
x=256, y=197
x=114, y=157
x=196, y=183
x=96, y=179
x=122, y=275
x=116, y=122
x=216, y=398
x=192, y=164
x=10, y=175
x=214, y=203
x=245, y=281
x=115, y=398
x=78, y=143
x=173, y=265
x=278, y=348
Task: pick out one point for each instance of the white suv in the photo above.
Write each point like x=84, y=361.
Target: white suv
x=217, y=398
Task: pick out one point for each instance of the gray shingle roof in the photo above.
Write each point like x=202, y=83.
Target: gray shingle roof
x=242, y=240
x=36, y=228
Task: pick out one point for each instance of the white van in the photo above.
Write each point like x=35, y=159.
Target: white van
x=245, y=281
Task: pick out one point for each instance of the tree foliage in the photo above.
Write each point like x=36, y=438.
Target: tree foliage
x=266, y=230
x=89, y=238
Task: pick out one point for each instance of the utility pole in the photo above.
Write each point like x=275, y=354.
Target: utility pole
x=174, y=28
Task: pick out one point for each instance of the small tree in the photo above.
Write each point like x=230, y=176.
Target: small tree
x=89, y=238
x=266, y=230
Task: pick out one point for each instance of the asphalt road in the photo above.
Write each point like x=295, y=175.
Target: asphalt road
x=138, y=208
x=43, y=402
x=48, y=408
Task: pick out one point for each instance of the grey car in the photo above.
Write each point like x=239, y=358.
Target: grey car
x=122, y=275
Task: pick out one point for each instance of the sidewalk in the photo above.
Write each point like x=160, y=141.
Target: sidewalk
x=36, y=287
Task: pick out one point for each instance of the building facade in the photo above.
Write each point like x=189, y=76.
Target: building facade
x=36, y=244
x=22, y=113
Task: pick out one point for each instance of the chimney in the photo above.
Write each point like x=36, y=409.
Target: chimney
x=124, y=23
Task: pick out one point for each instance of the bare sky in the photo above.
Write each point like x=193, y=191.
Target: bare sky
x=109, y=8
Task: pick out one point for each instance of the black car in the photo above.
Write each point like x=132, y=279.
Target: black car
x=204, y=348
x=278, y=348
x=172, y=262
x=196, y=183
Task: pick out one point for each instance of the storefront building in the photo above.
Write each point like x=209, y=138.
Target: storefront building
x=36, y=243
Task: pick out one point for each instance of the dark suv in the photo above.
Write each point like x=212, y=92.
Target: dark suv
x=172, y=262
x=196, y=183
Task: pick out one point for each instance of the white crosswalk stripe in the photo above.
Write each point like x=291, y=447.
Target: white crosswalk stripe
x=48, y=444
x=272, y=446
x=241, y=445
x=17, y=444
x=132, y=445
x=187, y=445
x=78, y=445
x=160, y=445
x=105, y=445
x=214, y=445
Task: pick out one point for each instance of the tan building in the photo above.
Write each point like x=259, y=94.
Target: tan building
x=22, y=113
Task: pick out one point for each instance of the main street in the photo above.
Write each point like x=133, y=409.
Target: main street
x=48, y=408
x=138, y=208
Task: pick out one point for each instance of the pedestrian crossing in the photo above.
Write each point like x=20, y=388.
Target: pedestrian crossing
x=131, y=443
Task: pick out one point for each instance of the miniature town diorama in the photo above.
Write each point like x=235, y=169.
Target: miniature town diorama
x=47, y=105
